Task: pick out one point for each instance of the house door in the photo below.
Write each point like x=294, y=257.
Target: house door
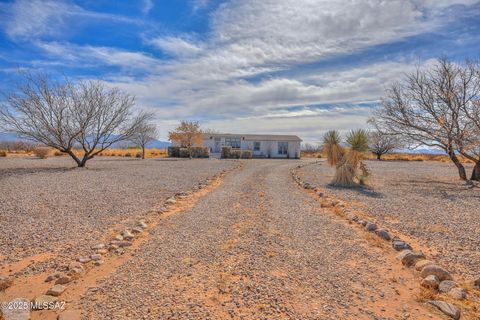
x=217, y=145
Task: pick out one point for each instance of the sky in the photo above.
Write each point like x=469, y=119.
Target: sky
x=242, y=66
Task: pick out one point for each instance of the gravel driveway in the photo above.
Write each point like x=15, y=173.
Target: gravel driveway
x=424, y=200
x=257, y=247
x=46, y=205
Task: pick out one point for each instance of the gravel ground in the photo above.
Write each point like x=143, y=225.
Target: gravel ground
x=424, y=200
x=257, y=247
x=46, y=205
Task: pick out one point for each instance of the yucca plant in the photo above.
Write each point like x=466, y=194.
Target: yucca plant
x=331, y=146
x=348, y=162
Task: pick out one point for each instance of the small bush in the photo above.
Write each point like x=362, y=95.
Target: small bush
x=138, y=155
x=174, y=152
x=128, y=154
x=42, y=152
x=235, y=154
x=183, y=153
x=246, y=154
x=57, y=153
x=3, y=153
x=226, y=151
x=200, y=152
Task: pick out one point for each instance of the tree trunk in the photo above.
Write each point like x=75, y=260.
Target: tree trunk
x=74, y=157
x=461, y=169
x=379, y=156
x=143, y=152
x=476, y=172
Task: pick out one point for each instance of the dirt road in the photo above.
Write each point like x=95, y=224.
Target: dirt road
x=258, y=247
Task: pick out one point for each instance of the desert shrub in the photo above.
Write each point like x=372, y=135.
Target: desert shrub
x=42, y=152
x=174, y=152
x=235, y=154
x=225, y=152
x=3, y=153
x=183, y=153
x=200, y=152
x=246, y=154
x=138, y=155
x=57, y=153
x=128, y=154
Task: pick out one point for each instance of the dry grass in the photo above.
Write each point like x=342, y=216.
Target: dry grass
x=394, y=157
x=3, y=153
x=134, y=152
x=43, y=152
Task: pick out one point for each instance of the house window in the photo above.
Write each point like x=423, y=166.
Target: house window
x=233, y=142
x=256, y=146
x=283, y=148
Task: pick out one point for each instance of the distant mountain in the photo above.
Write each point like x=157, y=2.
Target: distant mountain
x=9, y=137
x=154, y=144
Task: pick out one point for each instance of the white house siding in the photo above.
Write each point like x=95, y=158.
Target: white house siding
x=268, y=145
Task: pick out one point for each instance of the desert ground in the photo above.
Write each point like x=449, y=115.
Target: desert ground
x=225, y=239
x=422, y=200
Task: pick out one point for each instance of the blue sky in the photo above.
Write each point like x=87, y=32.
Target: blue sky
x=270, y=66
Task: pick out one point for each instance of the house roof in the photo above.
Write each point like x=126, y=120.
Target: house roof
x=254, y=137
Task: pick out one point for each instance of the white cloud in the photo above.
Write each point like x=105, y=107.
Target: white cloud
x=82, y=55
x=176, y=46
x=147, y=5
x=30, y=19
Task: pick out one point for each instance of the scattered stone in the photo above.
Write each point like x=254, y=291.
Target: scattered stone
x=118, y=237
x=121, y=244
x=352, y=217
x=172, y=200
x=142, y=224
x=447, y=308
x=419, y=265
x=320, y=194
x=447, y=285
x=403, y=254
x=84, y=259
x=44, y=302
x=102, y=251
x=16, y=313
x=457, y=293
x=70, y=315
x=76, y=268
x=441, y=273
x=98, y=246
x=400, y=245
x=411, y=258
x=63, y=280
x=383, y=234
x=362, y=222
x=98, y=263
x=53, y=276
x=476, y=283
x=127, y=235
x=56, y=290
x=370, y=226
x=5, y=282
x=137, y=230
x=430, y=282
x=96, y=257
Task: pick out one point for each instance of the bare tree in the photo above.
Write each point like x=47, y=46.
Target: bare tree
x=64, y=116
x=187, y=135
x=380, y=143
x=428, y=109
x=145, y=134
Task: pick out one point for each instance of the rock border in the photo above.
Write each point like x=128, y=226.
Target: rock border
x=432, y=276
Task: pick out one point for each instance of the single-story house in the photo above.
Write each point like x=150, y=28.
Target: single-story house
x=261, y=145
